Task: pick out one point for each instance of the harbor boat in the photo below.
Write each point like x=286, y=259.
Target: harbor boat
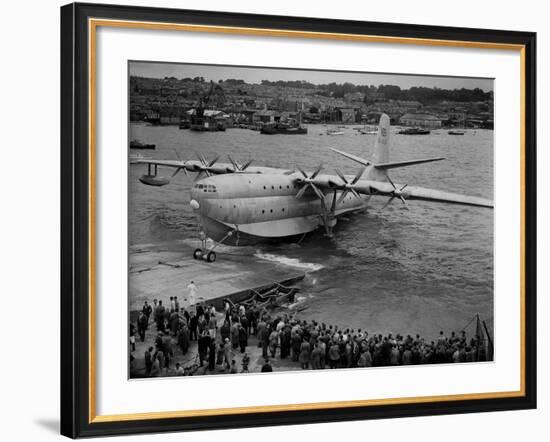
x=368, y=131
x=414, y=131
x=283, y=129
x=201, y=125
x=335, y=132
x=459, y=129
x=135, y=144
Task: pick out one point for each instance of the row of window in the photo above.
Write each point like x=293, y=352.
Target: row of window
x=212, y=188
x=205, y=187
x=294, y=186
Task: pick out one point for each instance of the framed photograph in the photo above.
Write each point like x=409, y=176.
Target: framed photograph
x=274, y=220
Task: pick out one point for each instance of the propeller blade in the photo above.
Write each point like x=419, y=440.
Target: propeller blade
x=342, y=197
x=359, y=175
x=235, y=165
x=246, y=165
x=201, y=158
x=355, y=193
x=402, y=199
x=176, y=172
x=301, y=191
x=342, y=176
x=389, y=201
x=316, y=172
x=391, y=182
x=302, y=171
x=213, y=161
x=320, y=194
x=403, y=188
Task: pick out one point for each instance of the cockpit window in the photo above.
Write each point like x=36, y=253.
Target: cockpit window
x=205, y=187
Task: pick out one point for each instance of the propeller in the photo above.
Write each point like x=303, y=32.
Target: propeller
x=396, y=193
x=308, y=181
x=238, y=167
x=348, y=186
x=207, y=166
x=179, y=168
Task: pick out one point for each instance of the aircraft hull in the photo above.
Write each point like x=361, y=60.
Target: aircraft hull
x=252, y=234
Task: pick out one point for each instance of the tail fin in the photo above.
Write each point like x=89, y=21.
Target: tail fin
x=381, y=156
x=382, y=145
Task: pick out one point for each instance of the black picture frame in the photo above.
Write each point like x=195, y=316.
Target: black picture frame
x=75, y=220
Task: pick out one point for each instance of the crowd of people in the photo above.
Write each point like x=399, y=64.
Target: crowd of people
x=220, y=336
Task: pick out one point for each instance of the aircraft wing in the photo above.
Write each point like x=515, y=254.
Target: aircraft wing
x=167, y=163
x=421, y=193
x=203, y=166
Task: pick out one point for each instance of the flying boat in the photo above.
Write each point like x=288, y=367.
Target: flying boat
x=240, y=204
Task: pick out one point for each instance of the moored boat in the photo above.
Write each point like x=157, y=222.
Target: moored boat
x=283, y=128
x=136, y=144
x=414, y=131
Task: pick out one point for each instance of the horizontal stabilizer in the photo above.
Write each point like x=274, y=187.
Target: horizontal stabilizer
x=357, y=159
x=396, y=164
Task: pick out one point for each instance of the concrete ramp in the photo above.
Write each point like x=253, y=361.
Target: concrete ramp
x=164, y=270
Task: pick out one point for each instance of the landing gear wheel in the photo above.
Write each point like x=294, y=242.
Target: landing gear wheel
x=197, y=254
x=211, y=257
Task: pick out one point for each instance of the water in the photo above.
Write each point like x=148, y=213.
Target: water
x=420, y=270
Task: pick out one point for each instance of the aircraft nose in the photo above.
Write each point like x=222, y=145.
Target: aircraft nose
x=194, y=204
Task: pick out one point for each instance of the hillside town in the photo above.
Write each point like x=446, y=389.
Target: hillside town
x=235, y=103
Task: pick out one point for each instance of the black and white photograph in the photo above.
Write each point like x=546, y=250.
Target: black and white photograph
x=285, y=219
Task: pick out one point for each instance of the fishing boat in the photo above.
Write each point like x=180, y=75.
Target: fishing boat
x=283, y=129
x=456, y=132
x=135, y=144
x=414, y=131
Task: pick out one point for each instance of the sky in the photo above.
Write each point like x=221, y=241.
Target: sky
x=256, y=75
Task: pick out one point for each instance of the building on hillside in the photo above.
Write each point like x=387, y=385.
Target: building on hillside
x=422, y=120
x=343, y=115
x=265, y=116
x=354, y=97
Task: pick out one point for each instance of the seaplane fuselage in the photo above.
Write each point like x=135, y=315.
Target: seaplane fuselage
x=262, y=207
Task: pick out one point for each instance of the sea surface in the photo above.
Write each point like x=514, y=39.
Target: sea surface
x=415, y=268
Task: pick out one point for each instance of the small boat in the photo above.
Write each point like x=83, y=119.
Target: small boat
x=283, y=129
x=368, y=131
x=456, y=132
x=335, y=132
x=135, y=144
x=414, y=131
